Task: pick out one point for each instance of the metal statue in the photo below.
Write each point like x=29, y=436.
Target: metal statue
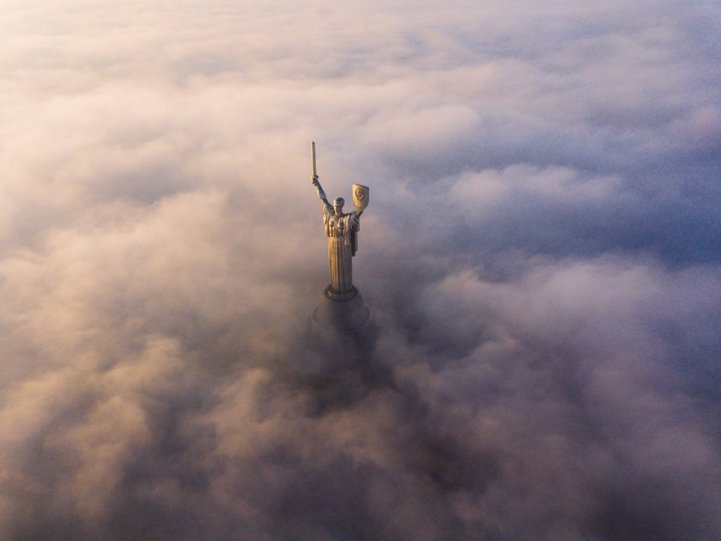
x=342, y=231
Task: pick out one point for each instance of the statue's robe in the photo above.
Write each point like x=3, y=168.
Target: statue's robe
x=342, y=246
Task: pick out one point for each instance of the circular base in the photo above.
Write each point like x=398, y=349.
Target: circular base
x=334, y=295
x=345, y=311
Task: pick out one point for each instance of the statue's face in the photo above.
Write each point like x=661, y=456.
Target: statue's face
x=338, y=206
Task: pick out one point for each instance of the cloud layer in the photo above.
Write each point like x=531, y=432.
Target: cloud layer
x=540, y=254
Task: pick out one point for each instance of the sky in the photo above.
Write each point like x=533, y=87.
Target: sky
x=541, y=255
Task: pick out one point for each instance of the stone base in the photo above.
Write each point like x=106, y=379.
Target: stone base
x=341, y=312
x=338, y=363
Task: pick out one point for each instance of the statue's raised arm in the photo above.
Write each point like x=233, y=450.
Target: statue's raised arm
x=321, y=193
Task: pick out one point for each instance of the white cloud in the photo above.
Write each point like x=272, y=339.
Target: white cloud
x=539, y=253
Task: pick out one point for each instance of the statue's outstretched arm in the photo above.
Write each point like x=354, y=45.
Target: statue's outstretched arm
x=321, y=193
x=355, y=219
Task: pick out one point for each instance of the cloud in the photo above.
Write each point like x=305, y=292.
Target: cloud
x=539, y=254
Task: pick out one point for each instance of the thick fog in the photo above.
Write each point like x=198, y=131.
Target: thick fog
x=541, y=255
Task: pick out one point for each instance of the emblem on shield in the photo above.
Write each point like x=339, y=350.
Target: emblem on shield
x=360, y=197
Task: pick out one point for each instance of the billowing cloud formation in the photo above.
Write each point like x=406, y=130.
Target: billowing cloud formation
x=541, y=256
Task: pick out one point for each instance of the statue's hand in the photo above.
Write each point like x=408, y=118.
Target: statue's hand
x=315, y=180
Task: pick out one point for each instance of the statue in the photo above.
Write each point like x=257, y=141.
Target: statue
x=342, y=232
x=342, y=309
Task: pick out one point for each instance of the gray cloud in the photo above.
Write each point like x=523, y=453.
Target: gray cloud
x=540, y=255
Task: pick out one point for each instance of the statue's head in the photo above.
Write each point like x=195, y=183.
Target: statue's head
x=338, y=205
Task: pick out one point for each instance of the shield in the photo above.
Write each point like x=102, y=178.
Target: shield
x=361, y=194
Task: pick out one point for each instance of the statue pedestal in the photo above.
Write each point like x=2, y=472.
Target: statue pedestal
x=341, y=311
x=339, y=364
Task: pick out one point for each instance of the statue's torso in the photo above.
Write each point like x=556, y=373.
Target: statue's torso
x=337, y=226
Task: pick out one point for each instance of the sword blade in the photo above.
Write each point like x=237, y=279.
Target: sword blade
x=314, y=171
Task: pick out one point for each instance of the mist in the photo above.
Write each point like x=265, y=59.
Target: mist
x=540, y=254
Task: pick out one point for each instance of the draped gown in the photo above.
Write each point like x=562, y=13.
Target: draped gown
x=341, y=232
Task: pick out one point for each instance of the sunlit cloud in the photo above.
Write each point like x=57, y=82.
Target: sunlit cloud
x=540, y=256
